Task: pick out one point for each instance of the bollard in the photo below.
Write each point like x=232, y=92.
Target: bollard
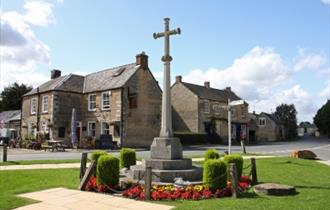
x=4, y=158
x=148, y=174
x=234, y=180
x=254, y=179
x=83, y=163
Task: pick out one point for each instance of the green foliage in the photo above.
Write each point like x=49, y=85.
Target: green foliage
x=127, y=157
x=322, y=119
x=214, y=174
x=211, y=154
x=11, y=96
x=238, y=160
x=107, y=170
x=287, y=115
x=98, y=153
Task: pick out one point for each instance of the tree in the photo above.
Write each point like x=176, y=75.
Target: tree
x=11, y=96
x=322, y=119
x=287, y=115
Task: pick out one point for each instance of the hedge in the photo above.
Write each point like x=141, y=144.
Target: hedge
x=211, y=154
x=107, y=170
x=127, y=157
x=215, y=174
x=238, y=160
x=96, y=155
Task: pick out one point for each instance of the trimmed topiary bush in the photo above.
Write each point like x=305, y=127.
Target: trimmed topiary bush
x=95, y=156
x=107, y=170
x=213, y=169
x=238, y=160
x=211, y=154
x=127, y=157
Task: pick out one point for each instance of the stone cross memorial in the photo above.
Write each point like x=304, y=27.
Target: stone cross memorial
x=166, y=150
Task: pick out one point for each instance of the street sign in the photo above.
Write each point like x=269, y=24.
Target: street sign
x=237, y=102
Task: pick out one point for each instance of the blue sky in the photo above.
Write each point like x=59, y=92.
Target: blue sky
x=269, y=52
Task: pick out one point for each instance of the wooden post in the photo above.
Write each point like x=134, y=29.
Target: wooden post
x=243, y=146
x=4, y=158
x=254, y=179
x=148, y=175
x=86, y=176
x=234, y=180
x=83, y=163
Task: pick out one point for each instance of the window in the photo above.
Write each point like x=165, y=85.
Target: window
x=61, y=132
x=32, y=129
x=233, y=111
x=44, y=127
x=243, y=112
x=105, y=128
x=33, y=105
x=262, y=121
x=44, y=107
x=133, y=101
x=92, y=102
x=216, y=108
x=206, y=107
x=105, y=100
x=91, y=129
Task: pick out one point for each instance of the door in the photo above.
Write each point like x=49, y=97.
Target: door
x=78, y=131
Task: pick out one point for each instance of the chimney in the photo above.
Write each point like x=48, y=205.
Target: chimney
x=142, y=59
x=55, y=73
x=228, y=89
x=207, y=84
x=178, y=79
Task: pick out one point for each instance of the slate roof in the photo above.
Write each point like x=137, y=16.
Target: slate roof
x=211, y=93
x=271, y=116
x=103, y=80
x=11, y=115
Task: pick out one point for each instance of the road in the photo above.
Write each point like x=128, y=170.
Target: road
x=320, y=146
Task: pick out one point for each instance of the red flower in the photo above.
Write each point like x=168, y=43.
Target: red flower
x=186, y=195
x=176, y=194
x=101, y=188
x=207, y=194
x=142, y=196
x=195, y=195
x=218, y=193
x=155, y=195
x=91, y=184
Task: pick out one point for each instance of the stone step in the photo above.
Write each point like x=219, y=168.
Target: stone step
x=161, y=164
x=192, y=174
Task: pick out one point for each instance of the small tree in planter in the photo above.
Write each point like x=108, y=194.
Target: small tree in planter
x=107, y=171
x=127, y=157
x=238, y=160
x=211, y=154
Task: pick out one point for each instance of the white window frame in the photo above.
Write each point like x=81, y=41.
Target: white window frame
x=102, y=100
x=102, y=127
x=44, y=108
x=208, y=110
x=216, y=108
x=262, y=119
x=89, y=130
x=33, y=105
x=89, y=102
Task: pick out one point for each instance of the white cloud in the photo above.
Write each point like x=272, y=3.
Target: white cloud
x=310, y=61
x=263, y=79
x=327, y=2
x=325, y=93
x=39, y=13
x=21, y=52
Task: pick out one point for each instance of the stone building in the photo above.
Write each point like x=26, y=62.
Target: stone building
x=306, y=129
x=265, y=127
x=202, y=109
x=10, y=123
x=124, y=101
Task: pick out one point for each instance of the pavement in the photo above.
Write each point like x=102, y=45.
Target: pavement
x=67, y=199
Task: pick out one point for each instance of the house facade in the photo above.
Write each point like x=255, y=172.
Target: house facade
x=124, y=101
x=202, y=109
x=306, y=129
x=10, y=123
x=265, y=127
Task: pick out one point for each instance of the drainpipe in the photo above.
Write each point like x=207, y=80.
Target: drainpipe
x=38, y=117
x=121, y=116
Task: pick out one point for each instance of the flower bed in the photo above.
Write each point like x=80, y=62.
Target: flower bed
x=170, y=192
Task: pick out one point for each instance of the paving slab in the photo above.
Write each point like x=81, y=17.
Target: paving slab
x=68, y=199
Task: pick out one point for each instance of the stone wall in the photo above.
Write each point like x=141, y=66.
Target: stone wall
x=269, y=132
x=184, y=109
x=141, y=124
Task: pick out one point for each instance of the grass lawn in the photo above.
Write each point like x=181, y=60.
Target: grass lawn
x=311, y=179
x=31, y=162
x=21, y=181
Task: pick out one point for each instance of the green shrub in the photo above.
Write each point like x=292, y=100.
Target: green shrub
x=95, y=156
x=107, y=170
x=238, y=160
x=211, y=154
x=215, y=174
x=127, y=157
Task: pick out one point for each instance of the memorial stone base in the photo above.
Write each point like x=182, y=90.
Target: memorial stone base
x=167, y=163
